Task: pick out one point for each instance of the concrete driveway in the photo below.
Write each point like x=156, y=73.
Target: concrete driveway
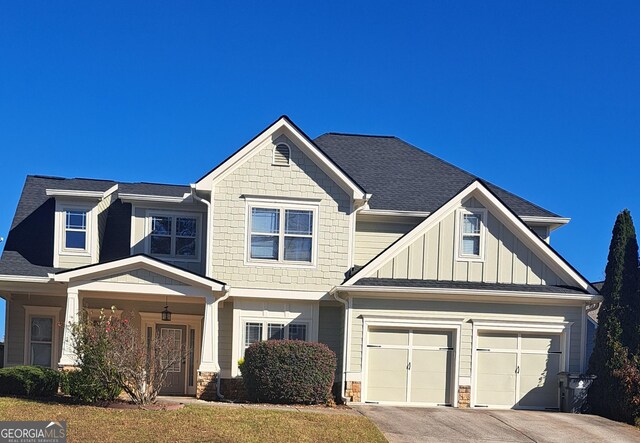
x=404, y=424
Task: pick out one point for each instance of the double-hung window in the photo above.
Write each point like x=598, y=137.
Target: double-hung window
x=255, y=331
x=75, y=229
x=174, y=236
x=471, y=234
x=41, y=341
x=282, y=234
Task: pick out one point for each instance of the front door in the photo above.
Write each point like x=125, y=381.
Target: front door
x=177, y=336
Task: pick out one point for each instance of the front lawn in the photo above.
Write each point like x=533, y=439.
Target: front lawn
x=193, y=423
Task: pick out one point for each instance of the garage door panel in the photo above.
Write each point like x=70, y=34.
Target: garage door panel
x=498, y=341
x=431, y=376
x=439, y=339
x=540, y=342
x=387, y=375
x=496, y=378
x=394, y=337
x=539, y=380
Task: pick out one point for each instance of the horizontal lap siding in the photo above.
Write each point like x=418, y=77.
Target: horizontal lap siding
x=330, y=332
x=374, y=237
x=463, y=310
x=225, y=336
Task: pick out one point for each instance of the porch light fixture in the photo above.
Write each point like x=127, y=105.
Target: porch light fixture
x=166, y=314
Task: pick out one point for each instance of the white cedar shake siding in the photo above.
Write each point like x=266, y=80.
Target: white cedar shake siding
x=394, y=308
x=432, y=256
x=303, y=179
x=140, y=236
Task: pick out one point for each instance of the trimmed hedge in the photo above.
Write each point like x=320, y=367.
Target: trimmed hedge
x=32, y=381
x=86, y=387
x=288, y=372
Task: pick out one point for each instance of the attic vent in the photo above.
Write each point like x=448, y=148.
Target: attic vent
x=281, y=155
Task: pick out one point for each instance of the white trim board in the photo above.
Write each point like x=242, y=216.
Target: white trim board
x=547, y=255
x=282, y=126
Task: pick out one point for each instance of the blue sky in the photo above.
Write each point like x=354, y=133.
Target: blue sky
x=541, y=98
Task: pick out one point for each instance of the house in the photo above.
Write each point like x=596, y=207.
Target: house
x=432, y=286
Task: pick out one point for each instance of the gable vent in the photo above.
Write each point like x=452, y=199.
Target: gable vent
x=281, y=155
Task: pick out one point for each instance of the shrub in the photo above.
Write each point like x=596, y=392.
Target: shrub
x=288, y=371
x=86, y=386
x=32, y=381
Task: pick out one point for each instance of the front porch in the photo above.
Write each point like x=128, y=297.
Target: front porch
x=141, y=288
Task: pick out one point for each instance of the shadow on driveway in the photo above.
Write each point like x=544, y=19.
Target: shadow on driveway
x=406, y=424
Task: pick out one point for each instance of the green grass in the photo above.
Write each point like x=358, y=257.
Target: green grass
x=193, y=423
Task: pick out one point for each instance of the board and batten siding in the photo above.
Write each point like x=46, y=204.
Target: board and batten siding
x=394, y=308
x=302, y=180
x=373, y=237
x=432, y=256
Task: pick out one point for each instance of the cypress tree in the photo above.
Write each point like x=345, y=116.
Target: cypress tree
x=629, y=295
x=610, y=353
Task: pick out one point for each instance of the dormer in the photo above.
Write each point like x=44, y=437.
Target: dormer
x=79, y=221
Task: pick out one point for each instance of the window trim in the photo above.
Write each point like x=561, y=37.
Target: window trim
x=273, y=155
x=42, y=311
x=460, y=213
x=282, y=206
x=61, y=229
x=173, y=215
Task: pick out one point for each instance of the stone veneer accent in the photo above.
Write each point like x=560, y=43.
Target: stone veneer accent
x=353, y=391
x=464, y=397
x=206, y=386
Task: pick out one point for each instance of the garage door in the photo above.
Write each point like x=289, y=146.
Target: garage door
x=518, y=370
x=409, y=366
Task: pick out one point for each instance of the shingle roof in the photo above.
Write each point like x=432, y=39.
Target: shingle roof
x=405, y=178
x=29, y=246
x=436, y=284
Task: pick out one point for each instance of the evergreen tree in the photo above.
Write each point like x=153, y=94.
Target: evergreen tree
x=629, y=295
x=610, y=353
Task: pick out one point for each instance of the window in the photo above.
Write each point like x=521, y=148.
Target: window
x=174, y=236
x=41, y=341
x=281, y=155
x=256, y=331
x=75, y=229
x=280, y=234
x=471, y=235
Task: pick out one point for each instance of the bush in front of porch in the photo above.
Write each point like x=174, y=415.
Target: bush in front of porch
x=289, y=372
x=113, y=357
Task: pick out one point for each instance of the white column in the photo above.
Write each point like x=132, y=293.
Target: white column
x=68, y=357
x=209, y=354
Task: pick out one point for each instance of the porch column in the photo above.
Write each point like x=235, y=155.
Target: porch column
x=209, y=354
x=68, y=357
x=209, y=369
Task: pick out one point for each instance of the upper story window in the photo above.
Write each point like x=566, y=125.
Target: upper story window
x=174, y=235
x=75, y=229
x=281, y=234
x=471, y=234
x=281, y=155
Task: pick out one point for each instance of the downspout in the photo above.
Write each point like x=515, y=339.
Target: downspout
x=223, y=298
x=334, y=292
x=207, y=203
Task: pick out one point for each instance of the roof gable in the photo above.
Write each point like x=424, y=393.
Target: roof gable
x=542, y=265
x=282, y=126
x=138, y=269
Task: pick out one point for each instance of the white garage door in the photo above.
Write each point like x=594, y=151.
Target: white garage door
x=409, y=366
x=517, y=370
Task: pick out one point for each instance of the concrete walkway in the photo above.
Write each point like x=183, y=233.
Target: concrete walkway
x=264, y=406
x=405, y=424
